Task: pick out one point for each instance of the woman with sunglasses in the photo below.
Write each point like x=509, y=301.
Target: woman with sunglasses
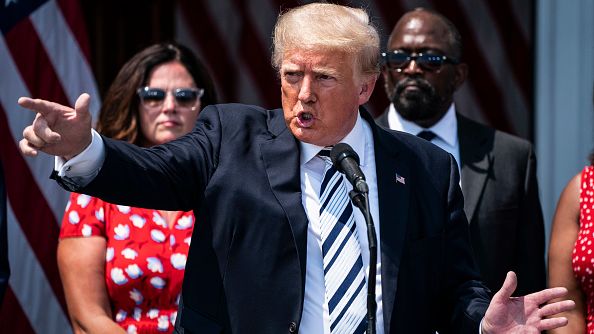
x=122, y=267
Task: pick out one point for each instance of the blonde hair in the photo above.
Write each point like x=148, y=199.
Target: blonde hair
x=324, y=26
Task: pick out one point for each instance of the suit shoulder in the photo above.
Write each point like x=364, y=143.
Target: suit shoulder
x=512, y=142
x=417, y=147
x=501, y=139
x=234, y=118
x=238, y=109
x=243, y=115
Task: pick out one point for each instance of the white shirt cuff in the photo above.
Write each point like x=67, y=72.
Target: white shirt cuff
x=83, y=168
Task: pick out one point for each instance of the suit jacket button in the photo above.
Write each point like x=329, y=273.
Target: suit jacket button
x=292, y=327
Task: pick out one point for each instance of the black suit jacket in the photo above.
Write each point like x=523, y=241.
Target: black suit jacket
x=502, y=204
x=239, y=171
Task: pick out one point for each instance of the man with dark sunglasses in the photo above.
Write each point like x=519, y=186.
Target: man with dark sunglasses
x=422, y=70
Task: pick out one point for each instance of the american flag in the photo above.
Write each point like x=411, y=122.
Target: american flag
x=44, y=52
x=400, y=179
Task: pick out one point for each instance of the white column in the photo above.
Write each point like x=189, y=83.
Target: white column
x=564, y=111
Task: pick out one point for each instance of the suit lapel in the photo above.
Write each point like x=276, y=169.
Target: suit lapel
x=477, y=161
x=280, y=156
x=393, y=183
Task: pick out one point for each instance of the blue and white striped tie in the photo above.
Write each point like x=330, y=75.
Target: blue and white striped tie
x=343, y=264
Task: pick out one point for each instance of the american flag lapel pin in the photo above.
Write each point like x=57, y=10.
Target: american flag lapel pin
x=400, y=179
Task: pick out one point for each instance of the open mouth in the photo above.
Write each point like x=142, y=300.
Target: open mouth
x=305, y=119
x=305, y=116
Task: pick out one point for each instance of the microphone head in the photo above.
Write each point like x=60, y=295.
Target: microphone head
x=341, y=151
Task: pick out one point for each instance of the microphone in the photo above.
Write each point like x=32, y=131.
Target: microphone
x=346, y=161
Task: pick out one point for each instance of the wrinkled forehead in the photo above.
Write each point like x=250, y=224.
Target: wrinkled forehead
x=420, y=32
x=321, y=60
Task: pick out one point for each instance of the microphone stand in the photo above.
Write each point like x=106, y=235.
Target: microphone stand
x=361, y=200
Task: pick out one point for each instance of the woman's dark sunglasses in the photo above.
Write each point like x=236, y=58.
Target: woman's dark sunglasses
x=185, y=98
x=398, y=60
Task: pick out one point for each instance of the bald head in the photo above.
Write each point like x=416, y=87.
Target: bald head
x=423, y=21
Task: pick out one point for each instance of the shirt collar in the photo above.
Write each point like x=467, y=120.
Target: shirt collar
x=446, y=128
x=356, y=139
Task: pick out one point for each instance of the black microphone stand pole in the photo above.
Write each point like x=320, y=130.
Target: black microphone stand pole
x=361, y=200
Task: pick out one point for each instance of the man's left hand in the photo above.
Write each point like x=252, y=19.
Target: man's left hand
x=528, y=314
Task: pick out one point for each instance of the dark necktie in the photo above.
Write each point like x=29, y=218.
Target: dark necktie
x=344, y=277
x=427, y=135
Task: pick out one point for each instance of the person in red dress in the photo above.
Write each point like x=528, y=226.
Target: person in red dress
x=571, y=250
x=122, y=267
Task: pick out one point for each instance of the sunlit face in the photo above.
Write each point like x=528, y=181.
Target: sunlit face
x=321, y=94
x=167, y=122
x=420, y=95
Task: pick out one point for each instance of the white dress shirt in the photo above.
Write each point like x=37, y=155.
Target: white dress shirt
x=446, y=130
x=83, y=168
x=315, y=317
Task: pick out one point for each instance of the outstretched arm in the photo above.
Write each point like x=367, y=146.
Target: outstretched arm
x=532, y=313
x=57, y=130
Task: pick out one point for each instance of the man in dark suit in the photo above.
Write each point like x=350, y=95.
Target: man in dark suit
x=259, y=259
x=498, y=171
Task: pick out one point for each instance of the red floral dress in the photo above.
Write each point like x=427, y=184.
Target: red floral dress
x=144, y=260
x=583, y=251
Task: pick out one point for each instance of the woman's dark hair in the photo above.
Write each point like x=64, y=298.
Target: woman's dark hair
x=119, y=116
